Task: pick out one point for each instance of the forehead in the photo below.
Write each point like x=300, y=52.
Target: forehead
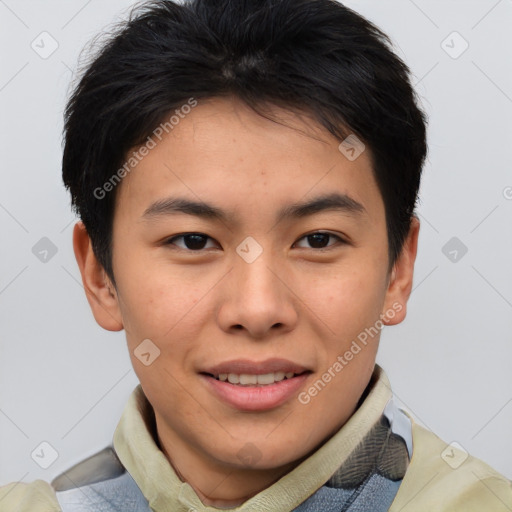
x=221, y=150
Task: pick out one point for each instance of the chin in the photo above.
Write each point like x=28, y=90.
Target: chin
x=259, y=456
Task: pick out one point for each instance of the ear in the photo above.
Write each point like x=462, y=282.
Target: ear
x=400, y=282
x=100, y=292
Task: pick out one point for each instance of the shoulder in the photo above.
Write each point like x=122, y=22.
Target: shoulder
x=443, y=477
x=41, y=496
x=37, y=496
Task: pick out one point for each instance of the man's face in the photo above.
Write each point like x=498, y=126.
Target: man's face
x=254, y=292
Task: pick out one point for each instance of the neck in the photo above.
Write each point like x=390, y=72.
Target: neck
x=216, y=483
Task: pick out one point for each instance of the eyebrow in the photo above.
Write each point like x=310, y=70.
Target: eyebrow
x=327, y=202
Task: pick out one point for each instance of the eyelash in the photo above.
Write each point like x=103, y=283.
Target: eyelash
x=341, y=241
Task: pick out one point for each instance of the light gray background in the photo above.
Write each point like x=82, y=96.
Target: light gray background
x=65, y=381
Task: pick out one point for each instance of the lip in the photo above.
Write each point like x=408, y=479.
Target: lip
x=249, y=367
x=255, y=398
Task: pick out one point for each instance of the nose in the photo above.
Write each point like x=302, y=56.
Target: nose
x=257, y=299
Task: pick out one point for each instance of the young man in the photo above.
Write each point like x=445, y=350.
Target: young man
x=246, y=174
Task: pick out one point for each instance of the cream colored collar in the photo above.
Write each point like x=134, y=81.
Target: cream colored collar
x=137, y=450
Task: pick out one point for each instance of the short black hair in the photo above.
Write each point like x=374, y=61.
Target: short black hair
x=309, y=56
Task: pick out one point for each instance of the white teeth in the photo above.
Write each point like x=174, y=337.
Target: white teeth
x=268, y=378
x=234, y=378
x=246, y=379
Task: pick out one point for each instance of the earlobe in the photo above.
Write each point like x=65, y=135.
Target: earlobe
x=99, y=290
x=401, y=278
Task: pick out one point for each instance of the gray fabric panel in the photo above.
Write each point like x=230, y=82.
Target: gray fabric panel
x=375, y=496
x=103, y=465
x=119, y=494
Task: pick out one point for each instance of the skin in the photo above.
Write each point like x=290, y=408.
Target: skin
x=295, y=301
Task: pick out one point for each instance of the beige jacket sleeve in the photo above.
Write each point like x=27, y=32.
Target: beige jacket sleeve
x=38, y=496
x=433, y=484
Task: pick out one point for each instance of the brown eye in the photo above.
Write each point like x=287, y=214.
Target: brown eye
x=320, y=240
x=191, y=241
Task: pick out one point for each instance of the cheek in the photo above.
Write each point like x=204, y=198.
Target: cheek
x=348, y=300
x=156, y=301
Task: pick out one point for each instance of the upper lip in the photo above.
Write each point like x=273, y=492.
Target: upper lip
x=246, y=366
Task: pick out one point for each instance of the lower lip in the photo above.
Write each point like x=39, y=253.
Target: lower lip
x=256, y=398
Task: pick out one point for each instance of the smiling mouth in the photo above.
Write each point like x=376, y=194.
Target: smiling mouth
x=254, y=380
x=257, y=387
